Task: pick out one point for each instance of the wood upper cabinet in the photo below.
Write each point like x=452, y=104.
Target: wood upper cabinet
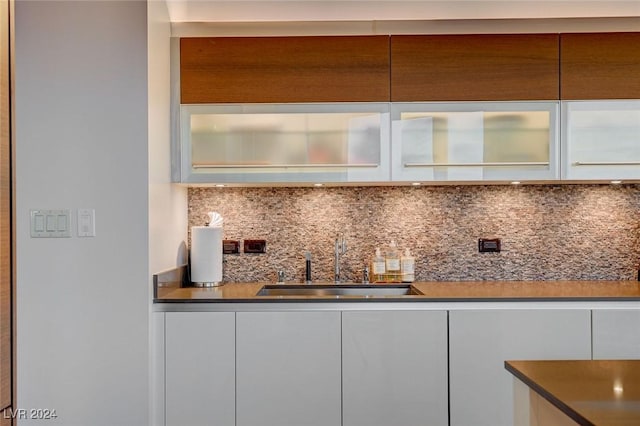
x=284, y=69
x=479, y=67
x=600, y=66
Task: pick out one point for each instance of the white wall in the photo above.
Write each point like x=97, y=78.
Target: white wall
x=167, y=202
x=81, y=141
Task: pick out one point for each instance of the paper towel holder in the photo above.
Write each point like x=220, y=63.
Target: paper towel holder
x=206, y=258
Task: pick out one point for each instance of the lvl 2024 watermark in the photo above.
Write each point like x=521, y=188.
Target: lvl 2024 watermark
x=30, y=413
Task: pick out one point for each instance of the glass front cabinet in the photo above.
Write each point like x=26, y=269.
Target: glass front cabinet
x=367, y=143
x=484, y=141
x=288, y=143
x=601, y=140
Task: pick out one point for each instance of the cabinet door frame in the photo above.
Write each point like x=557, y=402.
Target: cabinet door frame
x=424, y=173
x=624, y=169
x=183, y=166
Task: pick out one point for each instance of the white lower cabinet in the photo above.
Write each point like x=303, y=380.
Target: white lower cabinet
x=200, y=368
x=481, y=390
x=288, y=369
x=394, y=368
x=616, y=334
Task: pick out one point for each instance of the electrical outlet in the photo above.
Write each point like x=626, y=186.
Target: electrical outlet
x=230, y=246
x=489, y=245
x=255, y=246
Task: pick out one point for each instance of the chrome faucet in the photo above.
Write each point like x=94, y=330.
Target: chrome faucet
x=340, y=249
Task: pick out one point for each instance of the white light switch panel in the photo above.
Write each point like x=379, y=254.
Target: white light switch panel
x=50, y=224
x=86, y=223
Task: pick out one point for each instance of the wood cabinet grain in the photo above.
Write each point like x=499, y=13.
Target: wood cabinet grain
x=5, y=418
x=5, y=211
x=477, y=67
x=284, y=69
x=600, y=66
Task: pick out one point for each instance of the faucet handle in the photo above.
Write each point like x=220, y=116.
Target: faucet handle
x=365, y=274
x=341, y=243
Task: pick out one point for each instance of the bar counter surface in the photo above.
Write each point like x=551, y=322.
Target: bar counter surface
x=599, y=393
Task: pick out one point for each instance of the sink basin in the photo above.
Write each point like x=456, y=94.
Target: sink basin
x=361, y=290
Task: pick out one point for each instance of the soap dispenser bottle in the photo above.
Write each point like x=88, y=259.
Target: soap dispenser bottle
x=377, y=269
x=392, y=263
x=408, y=267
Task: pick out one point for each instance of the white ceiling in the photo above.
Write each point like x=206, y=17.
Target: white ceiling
x=392, y=10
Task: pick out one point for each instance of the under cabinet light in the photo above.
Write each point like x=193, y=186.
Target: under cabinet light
x=616, y=182
x=515, y=182
x=416, y=184
x=317, y=185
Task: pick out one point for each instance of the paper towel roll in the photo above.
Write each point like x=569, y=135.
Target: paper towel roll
x=206, y=255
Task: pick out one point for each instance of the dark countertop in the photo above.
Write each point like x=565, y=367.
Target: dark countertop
x=602, y=393
x=440, y=291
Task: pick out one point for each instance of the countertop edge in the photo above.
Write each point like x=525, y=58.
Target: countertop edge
x=550, y=397
x=418, y=299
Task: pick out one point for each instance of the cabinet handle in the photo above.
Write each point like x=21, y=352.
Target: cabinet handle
x=607, y=163
x=281, y=166
x=531, y=163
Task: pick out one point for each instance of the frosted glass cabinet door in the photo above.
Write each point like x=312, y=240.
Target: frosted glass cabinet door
x=272, y=143
x=200, y=368
x=288, y=369
x=394, y=368
x=601, y=140
x=481, y=390
x=486, y=141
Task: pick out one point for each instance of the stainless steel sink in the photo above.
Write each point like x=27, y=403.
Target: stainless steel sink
x=361, y=290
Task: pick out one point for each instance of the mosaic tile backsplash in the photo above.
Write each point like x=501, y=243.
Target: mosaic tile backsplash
x=548, y=232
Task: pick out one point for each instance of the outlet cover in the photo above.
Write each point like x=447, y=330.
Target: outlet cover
x=86, y=223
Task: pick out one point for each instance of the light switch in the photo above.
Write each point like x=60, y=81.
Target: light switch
x=38, y=223
x=62, y=222
x=86, y=223
x=50, y=223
